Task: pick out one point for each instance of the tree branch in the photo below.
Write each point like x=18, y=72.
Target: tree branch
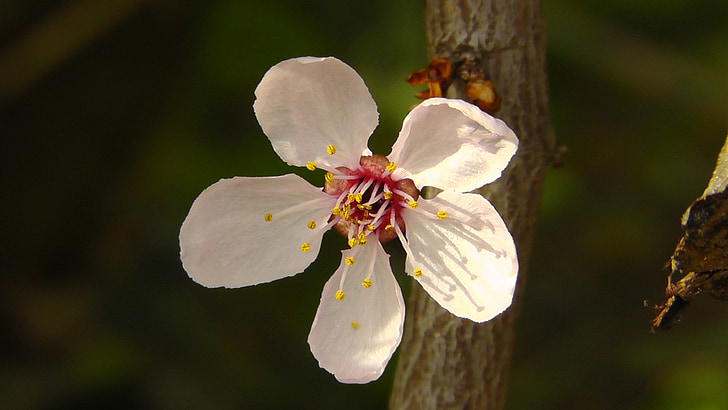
x=700, y=257
x=445, y=361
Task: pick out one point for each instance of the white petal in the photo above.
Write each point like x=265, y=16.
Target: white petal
x=226, y=241
x=468, y=259
x=451, y=144
x=306, y=104
x=355, y=337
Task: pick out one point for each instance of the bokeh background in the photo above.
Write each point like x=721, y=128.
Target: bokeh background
x=114, y=115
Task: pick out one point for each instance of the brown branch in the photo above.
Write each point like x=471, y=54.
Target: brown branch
x=445, y=361
x=701, y=256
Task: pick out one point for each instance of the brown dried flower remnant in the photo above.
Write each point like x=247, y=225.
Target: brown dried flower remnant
x=438, y=77
x=482, y=93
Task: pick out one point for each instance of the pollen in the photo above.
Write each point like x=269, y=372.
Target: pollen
x=355, y=325
x=340, y=295
x=305, y=247
x=311, y=225
x=358, y=197
x=388, y=194
x=331, y=149
x=370, y=227
x=268, y=217
x=349, y=261
x=352, y=242
x=417, y=272
x=351, y=197
x=329, y=177
x=336, y=211
x=388, y=227
x=311, y=166
x=391, y=167
x=362, y=236
x=441, y=215
x=412, y=204
x=367, y=283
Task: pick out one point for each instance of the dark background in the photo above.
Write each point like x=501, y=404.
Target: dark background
x=114, y=115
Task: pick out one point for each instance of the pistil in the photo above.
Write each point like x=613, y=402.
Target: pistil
x=368, y=195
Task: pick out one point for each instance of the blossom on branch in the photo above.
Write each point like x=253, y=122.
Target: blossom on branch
x=318, y=113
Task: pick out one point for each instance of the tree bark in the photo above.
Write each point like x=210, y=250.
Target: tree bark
x=700, y=257
x=446, y=362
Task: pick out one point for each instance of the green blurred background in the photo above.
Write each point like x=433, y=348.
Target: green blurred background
x=114, y=115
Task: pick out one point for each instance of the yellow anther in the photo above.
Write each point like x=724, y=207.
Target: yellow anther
x=362, y=236
x=349, y=260
x=352, y=242
x=345, y=216
x=268, y=217
x=388, y=227
x=363, y=241
x=339, y=295
x=311, y=225
x=388, y=194
x=358, y=197
x=391, y=167
x=331, y=149
x=355, y=325
x=417, y=272
x=311, y=166
x=412, y=204
x=336, y=210
x=350, y=197
x=305, y=247
x=441, y=215
x=367, y=283
x=329, y=177
x=370, y=227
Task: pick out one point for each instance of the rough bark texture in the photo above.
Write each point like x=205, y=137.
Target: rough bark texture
x=446, y=362
x=700, y=257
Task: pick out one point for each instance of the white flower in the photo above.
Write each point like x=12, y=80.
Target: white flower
x=318, y=113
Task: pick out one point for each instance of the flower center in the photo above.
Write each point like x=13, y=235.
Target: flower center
x=370, y=199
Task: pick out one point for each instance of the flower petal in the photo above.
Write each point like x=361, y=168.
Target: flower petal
x=451, y=144
x=466, y=258
x=307, y=105
x=228, y=240
x=355, y=337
